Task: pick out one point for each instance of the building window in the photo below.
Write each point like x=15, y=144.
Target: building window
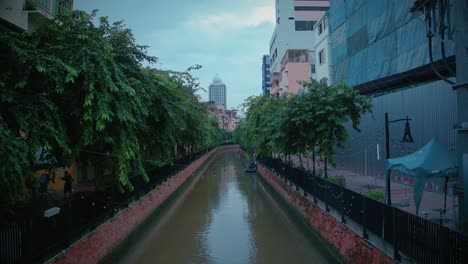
x=320, y=29
x=324, y=23
x=310, y=8
x=312, y=68
x=304, y=25
x=321, y=57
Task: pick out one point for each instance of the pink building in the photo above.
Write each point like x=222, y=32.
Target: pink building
x=295, y=68
x=275, y=83
x=227, y=119
x=292, y=43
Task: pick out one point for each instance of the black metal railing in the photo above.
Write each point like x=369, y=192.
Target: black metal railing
x=33, y=238
x=412, y=236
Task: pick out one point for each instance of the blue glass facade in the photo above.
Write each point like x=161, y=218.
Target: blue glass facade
x=266, y=74
x=381, y=49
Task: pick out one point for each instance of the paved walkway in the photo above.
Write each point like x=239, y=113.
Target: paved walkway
x=402, y=195
x=59, y=195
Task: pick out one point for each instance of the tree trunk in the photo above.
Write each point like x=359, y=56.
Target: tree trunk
x=313, y=161
x=325, y=167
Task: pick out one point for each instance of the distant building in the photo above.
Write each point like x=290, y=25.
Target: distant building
x=217, y=91
x=322, y=51
x=26, y=15
x=227, y=119
x=266, y=85
x=295, y=22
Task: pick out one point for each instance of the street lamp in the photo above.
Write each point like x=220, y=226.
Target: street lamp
x=406, y=138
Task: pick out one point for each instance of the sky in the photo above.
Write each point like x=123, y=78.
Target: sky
x=226, y=37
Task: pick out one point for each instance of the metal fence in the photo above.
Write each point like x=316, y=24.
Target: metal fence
x=33, y=238
x=417, y=238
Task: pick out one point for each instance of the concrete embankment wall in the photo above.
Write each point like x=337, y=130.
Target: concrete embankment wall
x=94, y=247
x=352, y=247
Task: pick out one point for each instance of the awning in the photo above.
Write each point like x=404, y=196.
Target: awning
x=432, y=160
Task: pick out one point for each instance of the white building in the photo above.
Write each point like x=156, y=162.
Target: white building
x=295, y=21
x=322, y=50
x=26, y=15
x=217, y=91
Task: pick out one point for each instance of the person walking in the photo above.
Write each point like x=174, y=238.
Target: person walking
x=44, y=182
x=68, y=184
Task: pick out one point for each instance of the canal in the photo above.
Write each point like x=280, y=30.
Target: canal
x=228, y=217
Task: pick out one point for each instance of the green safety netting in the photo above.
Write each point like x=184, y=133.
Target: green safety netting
x=432, y=160
x=373, y=39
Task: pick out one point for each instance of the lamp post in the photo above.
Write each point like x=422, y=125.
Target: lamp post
x=406, y=138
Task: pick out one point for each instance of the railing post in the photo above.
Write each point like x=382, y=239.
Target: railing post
x=327, y=208
x=364, y=213
x=343, y=219
x=94, y=218
x=396, y=255
x=325, y=168
x=68, y=225
x=296, y=182
x=314, y=190
x=304, y=185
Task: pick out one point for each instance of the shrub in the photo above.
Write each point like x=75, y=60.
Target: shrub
x=376, y=195
x=339, y=180
x=319, y=173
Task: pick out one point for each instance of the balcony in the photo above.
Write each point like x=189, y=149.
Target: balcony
x=52, y=7
x=293, y=55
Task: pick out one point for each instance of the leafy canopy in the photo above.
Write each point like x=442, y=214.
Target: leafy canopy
x=297, y=123
x=71, y=89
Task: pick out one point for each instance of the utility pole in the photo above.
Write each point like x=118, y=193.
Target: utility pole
x=406, y=138
x=461, y=87
x=387, y=156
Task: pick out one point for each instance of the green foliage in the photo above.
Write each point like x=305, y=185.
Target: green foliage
x=73, y=89
x=339, y=180
x=297, y=123
x=376, y=195
x=14, y=160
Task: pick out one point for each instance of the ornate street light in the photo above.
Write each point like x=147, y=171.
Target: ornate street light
x=406, y=138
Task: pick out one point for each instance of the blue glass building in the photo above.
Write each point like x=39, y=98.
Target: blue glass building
x=266, y=74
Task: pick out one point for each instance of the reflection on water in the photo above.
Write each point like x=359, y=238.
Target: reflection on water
x=229, y=217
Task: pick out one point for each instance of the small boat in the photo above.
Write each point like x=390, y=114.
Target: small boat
x=252, y=168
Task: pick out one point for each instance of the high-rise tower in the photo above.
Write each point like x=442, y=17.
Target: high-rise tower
x=217, y=91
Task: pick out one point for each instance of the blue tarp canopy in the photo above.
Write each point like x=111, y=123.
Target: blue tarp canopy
x=432, y=160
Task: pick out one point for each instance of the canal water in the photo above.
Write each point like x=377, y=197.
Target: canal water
x=228, y=217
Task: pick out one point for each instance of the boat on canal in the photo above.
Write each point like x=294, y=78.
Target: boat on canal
x=252, y=168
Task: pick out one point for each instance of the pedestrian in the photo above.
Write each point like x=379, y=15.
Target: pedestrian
x=68, y=184
x=27, y=182
x=43, y=182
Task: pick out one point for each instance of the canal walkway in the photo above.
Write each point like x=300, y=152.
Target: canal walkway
x=227, y=217
x=432, y=203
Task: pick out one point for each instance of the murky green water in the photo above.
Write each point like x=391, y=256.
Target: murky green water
x=229, y=217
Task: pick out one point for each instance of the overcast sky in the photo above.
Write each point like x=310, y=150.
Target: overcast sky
x=227, y=38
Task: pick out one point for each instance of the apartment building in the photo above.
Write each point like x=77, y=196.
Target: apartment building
x=295, y=21
x=25, y=15
x=322, y=51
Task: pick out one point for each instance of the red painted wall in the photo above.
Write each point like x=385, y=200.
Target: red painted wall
x=352, y=247
x=95, y=247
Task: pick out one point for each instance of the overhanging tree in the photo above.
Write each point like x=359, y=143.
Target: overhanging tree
x=73, y=90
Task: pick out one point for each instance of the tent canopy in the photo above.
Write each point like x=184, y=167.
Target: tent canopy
x=432, y=160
